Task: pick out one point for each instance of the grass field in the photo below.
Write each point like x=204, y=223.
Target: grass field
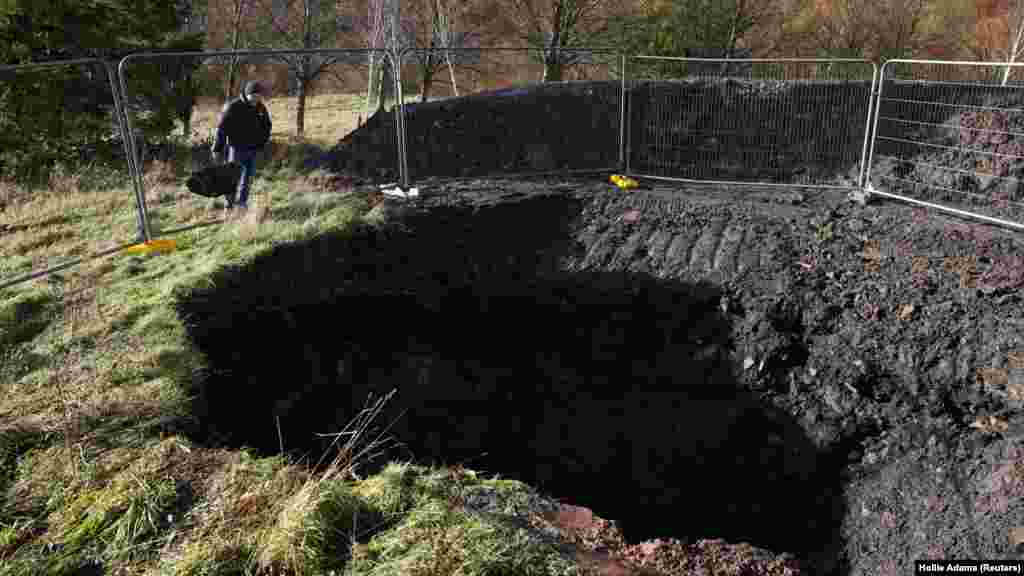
x=91, y=468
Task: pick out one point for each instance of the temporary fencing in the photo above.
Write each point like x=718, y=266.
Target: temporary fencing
x=942, y=134
x=485, y=112
x=950, y=136
x=72, y=103
x=169, y=207
x=789, y=122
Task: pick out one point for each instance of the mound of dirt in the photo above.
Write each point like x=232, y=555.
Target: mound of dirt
x=967, y=152
x=547, y=127
x=695, y=128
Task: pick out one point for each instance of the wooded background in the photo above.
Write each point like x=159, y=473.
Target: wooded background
x=46, y=117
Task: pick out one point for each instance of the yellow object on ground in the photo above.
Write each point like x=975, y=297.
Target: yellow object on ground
x=623, y=182
x=153, y=246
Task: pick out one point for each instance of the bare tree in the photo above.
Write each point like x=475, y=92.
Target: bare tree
x=1013, y=22
x=444, y=31
x=240, y=10
x=283, y=26
x=436, y=27
x=382, y=28
x=374, y=32
x=554, y=25
x=981, y=30
x=900, y=28
x=873, y=29
x=769, y=32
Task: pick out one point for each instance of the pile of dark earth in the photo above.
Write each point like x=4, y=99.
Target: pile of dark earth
x=789, y=369
x=712, y=128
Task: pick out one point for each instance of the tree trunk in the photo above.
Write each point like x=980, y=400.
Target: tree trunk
x=300, y=111
x=304, y=78
x=552, y=59
x=732, y=38
x=186, y=121
x=379, y=87
x=451, y=73
x=428, y=79
x=552, y=70
x=370, y=86
x=1014, y=49
x=385, y=83
x=229, y=86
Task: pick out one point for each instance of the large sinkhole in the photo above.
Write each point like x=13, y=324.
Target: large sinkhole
x=608, y=390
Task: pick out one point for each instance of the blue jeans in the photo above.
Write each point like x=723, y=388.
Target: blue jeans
x=246, y=157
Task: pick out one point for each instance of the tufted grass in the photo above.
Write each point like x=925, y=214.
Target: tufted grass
x=94, y=473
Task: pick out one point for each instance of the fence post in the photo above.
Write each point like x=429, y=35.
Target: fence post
x=622, y=119
x=877, y=98
x=145, y=233
x=868, y=129
x=403, y=168
x=133, y=168
x=118, y=111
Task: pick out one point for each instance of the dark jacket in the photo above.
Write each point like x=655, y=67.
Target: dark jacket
x=242, y=125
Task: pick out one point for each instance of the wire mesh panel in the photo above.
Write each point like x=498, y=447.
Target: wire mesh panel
x=789, y=122
x=328, y=122
x=950, y=135
x=63, y=168
x=478, y=112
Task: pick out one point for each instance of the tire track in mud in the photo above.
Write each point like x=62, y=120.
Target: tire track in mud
x=872, y=355
x=671, y=239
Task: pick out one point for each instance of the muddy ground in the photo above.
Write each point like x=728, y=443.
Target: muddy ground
x=777, y=366
x=872, y=357
x=891, y=335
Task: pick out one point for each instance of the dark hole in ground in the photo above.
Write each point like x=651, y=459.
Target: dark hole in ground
x=608, y=390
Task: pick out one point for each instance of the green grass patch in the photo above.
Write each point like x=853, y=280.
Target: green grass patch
x=24, y=316
x=399, y=521
x=15, y=445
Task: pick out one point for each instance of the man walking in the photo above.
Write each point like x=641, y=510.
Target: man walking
x=244, y=127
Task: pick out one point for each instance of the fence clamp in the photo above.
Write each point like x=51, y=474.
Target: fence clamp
x=862, y=195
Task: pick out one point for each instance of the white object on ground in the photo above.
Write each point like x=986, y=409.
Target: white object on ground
x=399, y=193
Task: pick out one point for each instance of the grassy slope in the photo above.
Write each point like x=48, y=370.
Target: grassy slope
x=88, y=361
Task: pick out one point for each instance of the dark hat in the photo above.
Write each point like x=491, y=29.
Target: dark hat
x=253, y=87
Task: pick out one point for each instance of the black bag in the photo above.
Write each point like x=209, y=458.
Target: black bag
x=215, y=180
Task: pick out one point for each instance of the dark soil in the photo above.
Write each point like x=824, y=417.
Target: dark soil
x=953, y=144
x=724, y=129
x=614, y=389
x=781, y=367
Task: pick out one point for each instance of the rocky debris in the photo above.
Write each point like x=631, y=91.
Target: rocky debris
x=332, y=183
x=709, y=558
x=599, y=548
x=946, y=498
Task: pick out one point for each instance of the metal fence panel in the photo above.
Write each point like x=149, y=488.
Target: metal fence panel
x=497, y=118
x=793, y=122
x=950, y=136
x=84, y=98
x=337, y=102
